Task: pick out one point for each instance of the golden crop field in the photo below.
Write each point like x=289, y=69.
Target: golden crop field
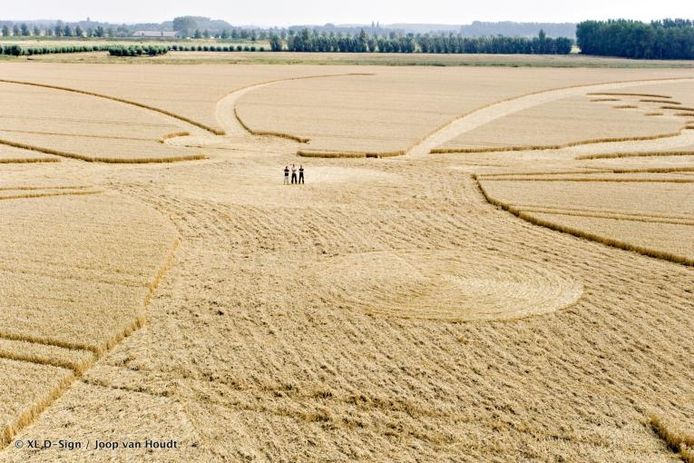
x=75, y=125
x=480, y=305
x=571, y=121
x=653, y=213
x=186, y=91
x=374, y=114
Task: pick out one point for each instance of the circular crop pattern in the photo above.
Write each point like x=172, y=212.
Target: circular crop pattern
x=448, y=285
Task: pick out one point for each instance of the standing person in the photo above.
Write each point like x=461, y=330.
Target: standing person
x=301, y=174
x=286, y=175
x=293, y=174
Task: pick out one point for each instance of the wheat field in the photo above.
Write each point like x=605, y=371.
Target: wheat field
x=69, y=124
x=517, y=305
x=374, y=114
x=582, y=120
x=571, y=121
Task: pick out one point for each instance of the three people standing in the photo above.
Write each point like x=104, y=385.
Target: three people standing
x=295, y=179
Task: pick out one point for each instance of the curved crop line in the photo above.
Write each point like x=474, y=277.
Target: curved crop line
x=169, y=136
x=651, y=95
x=119, y=100
x=646, y=251
x=88, y=158
x=167, y=263
x=348, y=154
x=45, y=195
x=653, y=170
x=238, y=93
x=502, y=175
x=49, y=341
x=588, y=179
x=558, y=146
x=678, y=108
x=635, y=154
x=79, y=135
x=606, y=215
x=27, y=160
x=55, y=187
x=546, y=172
x=651, y=100
x=539, y=92
x=264, y=133
x=600, y=100
x=593, y=210
x=528, y=217
x=78, y=367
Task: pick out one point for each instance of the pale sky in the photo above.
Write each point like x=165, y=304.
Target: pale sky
x=283, y=13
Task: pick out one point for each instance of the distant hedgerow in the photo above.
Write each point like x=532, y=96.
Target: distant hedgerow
x=138, y=50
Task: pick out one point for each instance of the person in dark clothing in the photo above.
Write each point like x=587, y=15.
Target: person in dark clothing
x=293, y=174
x=301, y=174
x=286, y=175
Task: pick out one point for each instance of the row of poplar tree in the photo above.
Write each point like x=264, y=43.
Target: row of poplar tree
x=67, y=30
x=312, y=41
x=59, y=30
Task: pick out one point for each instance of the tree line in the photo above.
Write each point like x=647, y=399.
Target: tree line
x=59, y=30
x=75, y=30
x=666, y=39
x=137, y=50
x=313, y=41
x=121, y=50
x=19, y=50
x=70, y=30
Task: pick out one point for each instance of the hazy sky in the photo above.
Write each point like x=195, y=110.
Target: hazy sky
x=277, y=12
